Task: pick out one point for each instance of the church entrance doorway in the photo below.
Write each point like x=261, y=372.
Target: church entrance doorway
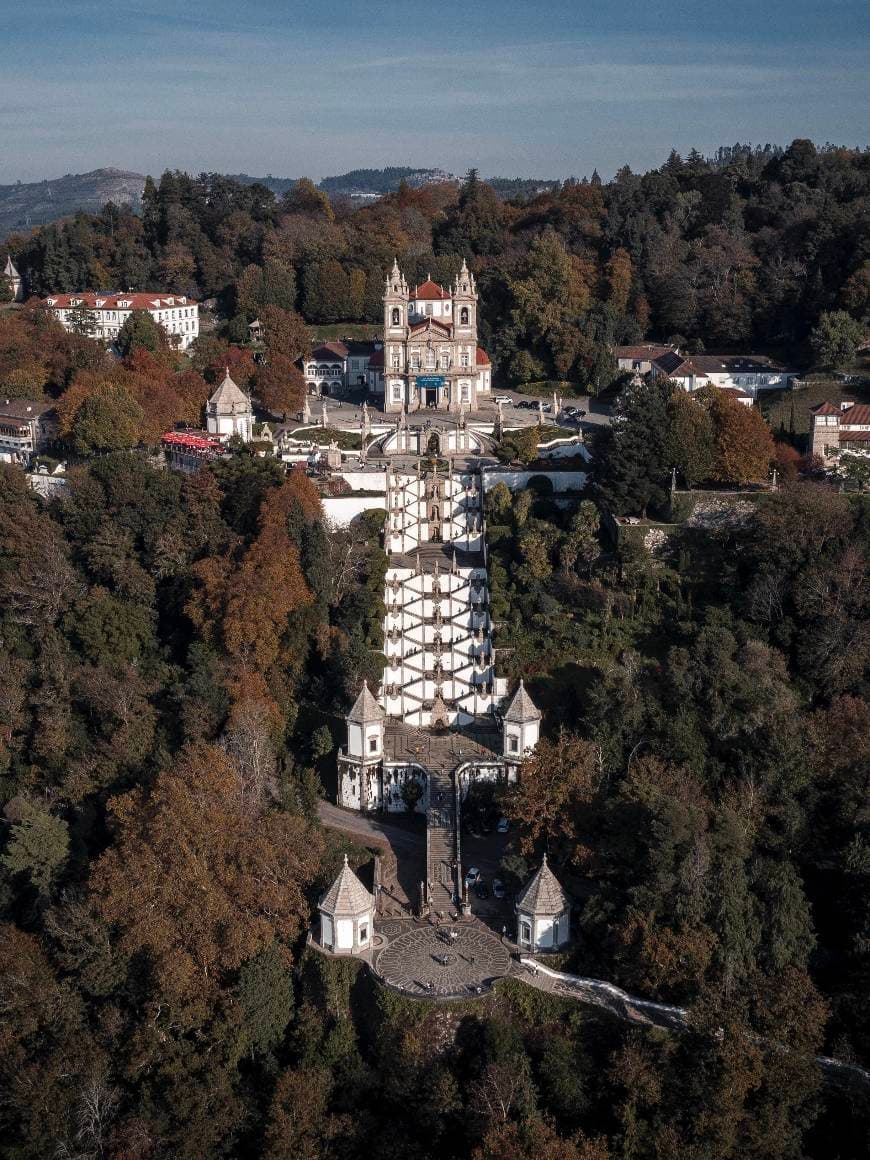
x=431, y=396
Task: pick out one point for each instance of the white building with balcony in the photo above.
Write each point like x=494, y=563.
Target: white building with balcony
x=26, y=426
x=101, y=316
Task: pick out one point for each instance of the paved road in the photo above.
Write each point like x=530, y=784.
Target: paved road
x=381, y=833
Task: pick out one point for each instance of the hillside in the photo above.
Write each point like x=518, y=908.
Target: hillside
x=26, y=204
x=376, y=181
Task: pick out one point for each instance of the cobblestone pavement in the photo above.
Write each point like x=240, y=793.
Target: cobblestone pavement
x=427, y=961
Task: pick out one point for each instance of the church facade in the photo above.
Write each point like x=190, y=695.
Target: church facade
x=430, y=358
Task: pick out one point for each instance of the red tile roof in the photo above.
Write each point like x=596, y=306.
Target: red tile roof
x=376, y=362
x=859, y=414
x=826, y=408
x=428, y=289
x=847, y=437
x=482, y=358
x=329, y=351
x=137, y=301
x=642, y=351
x=425, y=323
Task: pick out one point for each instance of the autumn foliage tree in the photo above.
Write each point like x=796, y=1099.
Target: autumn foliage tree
x=743, y=444
x=559, y=779
x=200, y=907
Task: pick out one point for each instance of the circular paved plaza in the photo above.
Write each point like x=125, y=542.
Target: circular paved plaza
x=440, y=961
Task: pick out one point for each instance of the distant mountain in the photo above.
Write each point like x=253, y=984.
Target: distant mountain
x=278, y=185
x=28, y=204
x=380, y=181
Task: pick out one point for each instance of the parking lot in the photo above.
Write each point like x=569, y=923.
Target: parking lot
x=485, y=851
x=521, y=410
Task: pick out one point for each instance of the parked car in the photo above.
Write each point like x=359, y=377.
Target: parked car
x=570, y=412
x=527, y=404
x=502, y=399
x=498, y=888
x=503, y=825
x=481, y=890
x=472, y=877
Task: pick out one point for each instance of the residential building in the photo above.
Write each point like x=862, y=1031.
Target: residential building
x=431, y=359
x=834, y=429
x=746, y=373
x=639, y=357
x=13, y=280
x=101, y=316
x=26, y=426
x=336, y=368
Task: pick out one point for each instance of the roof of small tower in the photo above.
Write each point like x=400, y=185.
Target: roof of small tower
x=229, y=398
x=826, y=408
x=10, y=270
x=365, y=707
x=543, y=893
x=522, y=707
x=429, y=289
x=346, y=895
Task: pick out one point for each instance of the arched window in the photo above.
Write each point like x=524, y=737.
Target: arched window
x=463, y=316
x=397, y=316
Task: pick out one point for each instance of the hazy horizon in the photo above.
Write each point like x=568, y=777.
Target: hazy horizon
x=278, y=88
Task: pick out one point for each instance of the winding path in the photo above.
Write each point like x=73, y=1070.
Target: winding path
x=629, y=1007
x=412, y=974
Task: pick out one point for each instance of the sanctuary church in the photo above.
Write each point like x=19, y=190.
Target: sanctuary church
x=430, y=357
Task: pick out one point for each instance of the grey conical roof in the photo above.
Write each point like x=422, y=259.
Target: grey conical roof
x=543, y=893
x=522, y=707
x=229, y=398
x=347, y=895
x=365, y=707
x=10, y=270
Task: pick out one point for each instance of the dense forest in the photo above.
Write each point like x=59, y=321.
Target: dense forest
x=748, y=249
x=178, y=652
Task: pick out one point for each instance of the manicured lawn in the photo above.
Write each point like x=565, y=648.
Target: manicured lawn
x=364, y=331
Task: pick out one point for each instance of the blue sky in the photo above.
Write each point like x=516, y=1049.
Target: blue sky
x=517, y=87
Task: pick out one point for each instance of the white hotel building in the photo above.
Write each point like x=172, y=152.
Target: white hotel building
x=105, y=314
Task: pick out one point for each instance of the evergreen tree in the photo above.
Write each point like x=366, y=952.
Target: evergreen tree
x=632, y=471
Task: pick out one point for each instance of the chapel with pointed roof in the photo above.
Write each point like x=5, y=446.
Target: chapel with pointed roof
x=229, y=411
x=346, y=914
x=543, y=912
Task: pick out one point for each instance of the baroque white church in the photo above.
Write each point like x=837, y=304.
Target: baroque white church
x=431, y=358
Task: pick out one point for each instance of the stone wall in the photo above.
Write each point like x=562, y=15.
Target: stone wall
x=341, y=510
x=516, y=480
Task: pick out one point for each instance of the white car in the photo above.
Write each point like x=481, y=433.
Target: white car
x=502, y=399
x=473, y=876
